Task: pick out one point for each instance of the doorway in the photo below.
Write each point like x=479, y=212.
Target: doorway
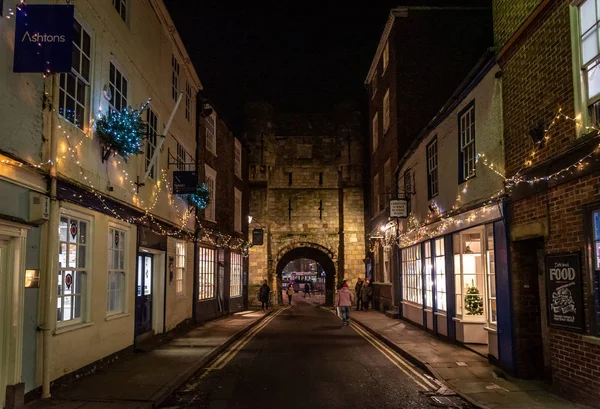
x=144, y=292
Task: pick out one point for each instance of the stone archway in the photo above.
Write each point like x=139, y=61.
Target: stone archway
x=317, y=253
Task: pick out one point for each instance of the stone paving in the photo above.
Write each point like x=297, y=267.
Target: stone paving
x=465, y=371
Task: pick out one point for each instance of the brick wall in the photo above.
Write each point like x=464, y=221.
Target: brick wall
x=508, y=17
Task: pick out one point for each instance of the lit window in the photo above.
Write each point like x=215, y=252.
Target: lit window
x=412, y=277
x=375, y=131
x=238, y=158
x=117, y=264
x=469, y=274
x=211, y=130
x=180, y=248
x=386, y=112
x=188, y=101
x=428, y=275
x=596, y=274
x=466, y=131
x=491, y=276
x=237, y=216
x=206, y=273
x=175, y=77
x=374, y=81
x=387, y=272
x=211, y=184
x=118, y=89
x=432, y=169
x=440, y=274
x=74, y=86
x=151, y=133
x=121, y=7
x=386, y=56
x=235, y=288
x=588, y=59
x=73, y=268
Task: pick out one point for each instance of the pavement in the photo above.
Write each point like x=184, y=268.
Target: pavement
x=464, y=371
x=145, y=379
x=304, y=357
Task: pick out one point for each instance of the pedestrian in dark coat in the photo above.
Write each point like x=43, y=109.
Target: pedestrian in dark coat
x=364, y=295
x=306, y=290
x=290, y=292
x=263, y=295
x=357, y=288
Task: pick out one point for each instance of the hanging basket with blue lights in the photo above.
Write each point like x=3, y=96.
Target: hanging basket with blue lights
x=200, y=199
x=122, y=132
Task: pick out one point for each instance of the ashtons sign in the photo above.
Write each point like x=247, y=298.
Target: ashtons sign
x=565, y=295
x=43, y=38
x=399, y=208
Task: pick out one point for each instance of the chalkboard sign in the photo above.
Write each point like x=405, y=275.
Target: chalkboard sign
x=184, y=182
x=257, y=237
x=565, y=292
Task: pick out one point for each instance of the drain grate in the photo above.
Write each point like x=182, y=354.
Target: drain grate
x=447, y=402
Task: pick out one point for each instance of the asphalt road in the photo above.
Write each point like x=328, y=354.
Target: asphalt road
x=303, y=357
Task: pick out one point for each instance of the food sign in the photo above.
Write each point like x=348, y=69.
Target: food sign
x=565, y=296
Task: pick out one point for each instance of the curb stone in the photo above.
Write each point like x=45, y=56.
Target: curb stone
x=159, y=397
x=421, y=364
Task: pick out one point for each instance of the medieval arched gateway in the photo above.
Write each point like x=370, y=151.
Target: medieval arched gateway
x=306, y=195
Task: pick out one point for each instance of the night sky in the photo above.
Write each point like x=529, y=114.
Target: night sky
x=301, y=59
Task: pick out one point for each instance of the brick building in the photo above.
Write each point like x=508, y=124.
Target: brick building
x=406, y=87
x=548, y=53
x=306, y=193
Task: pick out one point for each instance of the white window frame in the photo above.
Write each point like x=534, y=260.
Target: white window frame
x=376, y=201
x=237, y=158
x=79, y=79
x=235, y=275
x=432, y=168
x=188, y=101
x=428, y=278
x=386, y=57
x=460, y=244
x=440, y=275
x=466, y=136
x=386, y=112
x=117, y=88
x=151, y=143
x=375, y=131
x=180, y=260
x=412, y=275
x=387, y=266
x=211, y=184
x=87, y=271
x=211, y=133
x=120, y=272
x=580, y=69
x=490, y=272
x=206, y=273
x=181, y=155
x=237, y=212
x=122, y=8
x=175, y=75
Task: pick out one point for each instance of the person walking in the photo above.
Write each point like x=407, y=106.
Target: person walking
x=357, y=288
x=290, y=292
x=370, y=291
x=364, y=295
x=344, y=299
x=263, y=295
x=306, y=290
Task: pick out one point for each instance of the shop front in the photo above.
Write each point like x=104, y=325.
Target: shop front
x=449, y=282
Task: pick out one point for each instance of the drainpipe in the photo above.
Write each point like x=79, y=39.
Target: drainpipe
x=52, y=246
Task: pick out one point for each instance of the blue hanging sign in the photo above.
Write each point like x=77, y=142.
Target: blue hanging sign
x=44, y=38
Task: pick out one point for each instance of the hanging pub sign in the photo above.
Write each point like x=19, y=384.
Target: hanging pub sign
x=43, y=38
x=564, y=291
x=399, y=208
x=184, y=182
x=257, y=237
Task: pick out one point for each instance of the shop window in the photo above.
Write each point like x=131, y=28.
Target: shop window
x=596, y=275
x=206, y=273
x=412, y=279
x=469, y=274
x=387, y=275
x=491, y=276
x=117, y=263
x=180, y=250
x=440, y=274
x=235, y=289
x=428, y=275
x=73, y=269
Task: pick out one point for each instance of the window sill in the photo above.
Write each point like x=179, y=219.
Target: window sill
x=590, y=339
x=470, y=321
x=427, y=309
x=491, y=329
x=235, y=296
x=117, y=316
x=441, y=314
x=74, y=327
x=413, y=304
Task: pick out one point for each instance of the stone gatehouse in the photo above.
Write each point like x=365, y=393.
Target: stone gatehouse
x=306, y=193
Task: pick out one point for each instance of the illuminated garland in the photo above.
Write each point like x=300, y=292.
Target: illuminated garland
x=122, y=132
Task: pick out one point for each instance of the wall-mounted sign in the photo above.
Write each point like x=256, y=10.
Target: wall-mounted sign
x=258, y=237
x=43, y=38
x=399, y=208
x=184, y=182
x=565, y=293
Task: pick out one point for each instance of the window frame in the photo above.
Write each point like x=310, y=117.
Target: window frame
x=151, y=143
x=490, y=264
x=211, y=134
x=592, y=234
x=468, y=109
x=180, y=267
x=236, y=267
x=432, y=171
x=237, y=158
x=237, y=210
x=210, y=210
x=374, y=83
x=376, y=187
x=459, y=275
x=188, y=101
x=175, y=76
x=122, y=8
x=386, y=57
x=79, y=78
x=87, y=274
x=124, y=96
x=441, y=293
x=126, y=231
x=207, y=270
x=412, y=283
x=375, y=132
x=386, y=112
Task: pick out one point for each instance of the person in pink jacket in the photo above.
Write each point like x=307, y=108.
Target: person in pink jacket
x=344, y=299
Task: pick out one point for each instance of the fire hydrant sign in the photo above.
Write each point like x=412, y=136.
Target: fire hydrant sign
x=565, y=293
x=43, y=38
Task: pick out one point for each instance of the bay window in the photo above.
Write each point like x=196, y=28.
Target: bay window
x=587, y=59
x=428, y=275
x=206, y=273
x=235, y=287
x=412, y=279
x=491, y=276
x=440, y=274
x=469, y=247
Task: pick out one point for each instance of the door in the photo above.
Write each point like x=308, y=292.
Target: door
x=143, y=296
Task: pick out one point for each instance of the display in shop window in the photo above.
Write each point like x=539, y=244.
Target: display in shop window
x=473, y=301
x=565, y=296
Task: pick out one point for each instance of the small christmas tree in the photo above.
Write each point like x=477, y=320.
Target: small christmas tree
x=473, y=301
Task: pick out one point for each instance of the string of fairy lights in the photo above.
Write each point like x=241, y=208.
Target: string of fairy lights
x=413, y=231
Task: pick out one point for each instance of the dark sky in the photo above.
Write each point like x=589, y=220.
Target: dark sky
x=299, y=57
